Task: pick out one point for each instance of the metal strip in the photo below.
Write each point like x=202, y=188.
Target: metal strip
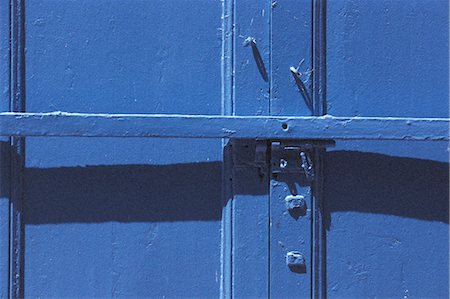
x=209, y=126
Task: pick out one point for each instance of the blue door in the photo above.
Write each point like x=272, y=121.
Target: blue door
x=387, y=203
x=121, y=217
x=351, y=214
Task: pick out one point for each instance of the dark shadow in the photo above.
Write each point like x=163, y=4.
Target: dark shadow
x=292, y=180
x=124, y=193
x=296, y=213
x=297, y=268
x=302, y=89
x=259, y=62
x=353, y=181
x=380, y=184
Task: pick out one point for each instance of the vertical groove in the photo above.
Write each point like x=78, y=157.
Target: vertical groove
x=17, y=104
x=318, y=285
x=269, y=148
x=5, y=204
x=319, y=56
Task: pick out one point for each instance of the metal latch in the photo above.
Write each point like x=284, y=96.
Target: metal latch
x=296, y=156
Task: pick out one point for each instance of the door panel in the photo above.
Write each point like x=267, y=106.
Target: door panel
x=291, y=47
x=122, y=229
x=387, y=202
x=123, y=57
x=290, y=232
x=162, y=217
x=130, y=217
x=250, y=194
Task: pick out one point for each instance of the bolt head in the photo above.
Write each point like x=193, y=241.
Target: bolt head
x=296, y=202
x=296, y=261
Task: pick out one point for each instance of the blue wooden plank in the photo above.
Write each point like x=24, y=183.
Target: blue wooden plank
x=290, y=232
x=250, y=177
x=291, y=48
x=387, y=202
x=204, y=126
x=112, y=217
x=5, y=78
x=227, y=224
x=4, y=218
x=17, y=146
x=250, y=220
x=227, y=68
x=292, y=94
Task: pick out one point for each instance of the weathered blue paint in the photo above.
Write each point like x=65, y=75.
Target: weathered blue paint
x=291, y=47
x=268, y=127
x=16, y=153
x=292, y=63
x=250, y=161
x=227, y=109
x=250, y=220
x=172, y=217
x=4, y=151
x=289, y=231
x=387, y=202
x=115, y=217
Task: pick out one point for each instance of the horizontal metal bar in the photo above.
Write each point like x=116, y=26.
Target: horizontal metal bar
x=210, y=126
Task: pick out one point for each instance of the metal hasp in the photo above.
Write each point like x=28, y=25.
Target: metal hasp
x=295, y=156
x=292, y=197
x=307, y=165
x=211, y=126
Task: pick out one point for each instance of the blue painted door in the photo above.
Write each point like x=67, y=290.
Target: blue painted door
x=207, y=218
x=121, y=217
x=387, y=203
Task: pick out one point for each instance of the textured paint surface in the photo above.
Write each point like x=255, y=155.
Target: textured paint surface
x=251, y=75
x=163, y=217
x=123, y=217
x=4, y=158
x=201, y=126
x=387, y=202
x=291, y=48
